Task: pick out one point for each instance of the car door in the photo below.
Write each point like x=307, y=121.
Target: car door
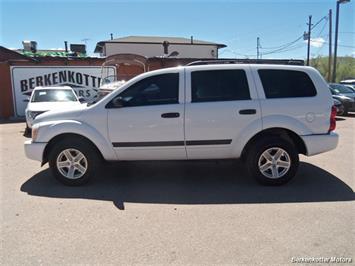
x=221, y=104
x=148, y=122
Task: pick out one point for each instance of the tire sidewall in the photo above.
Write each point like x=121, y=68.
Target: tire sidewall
x=83, y=147
x=263, y=145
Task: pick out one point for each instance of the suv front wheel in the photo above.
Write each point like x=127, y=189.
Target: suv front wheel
x=73, y=161
x=272, y=161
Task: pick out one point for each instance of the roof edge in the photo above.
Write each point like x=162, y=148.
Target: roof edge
x=99, y=45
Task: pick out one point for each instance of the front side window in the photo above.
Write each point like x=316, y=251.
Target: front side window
x=155, y=90
x=219, y=85
x=286, y=83
x=53, y=95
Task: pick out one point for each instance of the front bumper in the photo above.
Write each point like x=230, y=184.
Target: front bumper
x=34, y=150
x=317, y=144
x=29, y=122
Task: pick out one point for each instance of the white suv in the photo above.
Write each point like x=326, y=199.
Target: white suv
x=44, y=99
x=265, y=114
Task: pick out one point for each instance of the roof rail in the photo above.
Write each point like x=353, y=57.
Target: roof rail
x=247, y=61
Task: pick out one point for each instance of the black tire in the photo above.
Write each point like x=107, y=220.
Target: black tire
x=91, y=162
x=340, y=113
x=255, y=153
x=28, y=132
x=346, y=112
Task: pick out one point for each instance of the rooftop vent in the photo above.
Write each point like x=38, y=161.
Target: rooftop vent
x=78, y=48
x=29, y=46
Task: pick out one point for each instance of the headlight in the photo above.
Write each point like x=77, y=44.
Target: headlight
x=34, y=132
x=33, y=114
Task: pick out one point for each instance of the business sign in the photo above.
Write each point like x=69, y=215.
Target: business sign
x=84, y=80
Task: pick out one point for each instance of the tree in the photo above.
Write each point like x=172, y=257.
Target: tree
x=345, y=67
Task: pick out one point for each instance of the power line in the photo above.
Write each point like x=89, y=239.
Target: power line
x=295, y=47
x=323, y=28
x=319, y=36
x=319, y=21
x=287, y=45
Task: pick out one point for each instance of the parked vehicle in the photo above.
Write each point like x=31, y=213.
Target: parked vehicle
x=345, y=95
x=339, y=106
x=349, y=83
x=44, y=99
x=352, y=87
x=264, y=114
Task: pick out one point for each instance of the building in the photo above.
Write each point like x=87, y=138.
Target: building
x=21, y=73
x=30, y=49
x=151, y=46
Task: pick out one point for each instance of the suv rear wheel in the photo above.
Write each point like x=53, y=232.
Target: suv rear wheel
x=73, y=161
x=272, y=161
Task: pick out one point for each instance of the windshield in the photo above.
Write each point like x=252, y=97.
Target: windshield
x=104, y=91
x=53, y=95
x=341, y=88
x=101, y=94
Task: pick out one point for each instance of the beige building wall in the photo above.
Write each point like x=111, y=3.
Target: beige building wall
x=152, y=50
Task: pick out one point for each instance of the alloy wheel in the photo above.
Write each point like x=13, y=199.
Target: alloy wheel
x=274, y=163
x=72, y=163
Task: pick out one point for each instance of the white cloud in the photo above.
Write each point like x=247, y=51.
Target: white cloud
x=317, y=42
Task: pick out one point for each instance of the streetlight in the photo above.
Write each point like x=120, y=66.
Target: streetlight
x=336, y=37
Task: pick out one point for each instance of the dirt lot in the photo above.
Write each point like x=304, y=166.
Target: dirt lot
x=176, y=212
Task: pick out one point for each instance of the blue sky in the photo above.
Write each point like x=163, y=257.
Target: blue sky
x=234, y=23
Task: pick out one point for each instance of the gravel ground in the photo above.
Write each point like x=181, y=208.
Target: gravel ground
x=176, y=212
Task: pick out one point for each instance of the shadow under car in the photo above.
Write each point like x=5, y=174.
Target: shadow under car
x=202, y=182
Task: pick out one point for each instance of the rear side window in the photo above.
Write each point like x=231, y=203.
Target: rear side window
x=286, y=83
x=219, y=85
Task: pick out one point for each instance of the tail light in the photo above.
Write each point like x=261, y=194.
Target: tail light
x=333, y=114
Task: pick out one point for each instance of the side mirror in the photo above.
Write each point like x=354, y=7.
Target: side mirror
x=118, y=103
x=81, y=100
x=27, y=100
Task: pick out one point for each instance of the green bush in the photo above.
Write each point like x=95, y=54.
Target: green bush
x=345, y=67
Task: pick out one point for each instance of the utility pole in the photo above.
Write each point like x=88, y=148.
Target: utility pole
x=330, y=47
x=257, y=47
x=309, y=38
x=339, y=2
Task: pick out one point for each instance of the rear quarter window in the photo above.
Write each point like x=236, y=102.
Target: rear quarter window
x=286, y=83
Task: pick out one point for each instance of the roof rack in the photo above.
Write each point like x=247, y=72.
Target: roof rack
x=247, y=61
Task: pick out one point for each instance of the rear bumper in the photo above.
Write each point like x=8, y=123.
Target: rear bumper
x=34, y=150
x=317, y=144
